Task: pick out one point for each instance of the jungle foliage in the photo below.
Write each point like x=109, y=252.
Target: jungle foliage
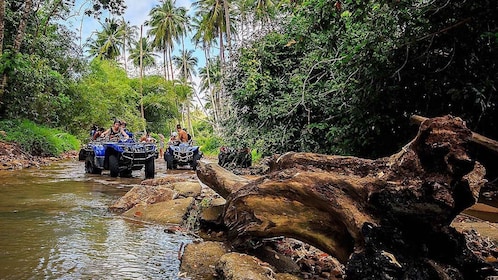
x=45, y=78
x=36, y=139
x=106, y=93
x=343, y=77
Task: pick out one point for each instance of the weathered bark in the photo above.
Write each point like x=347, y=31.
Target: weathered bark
x=476, y=137
x=362, y=210
x=219, y=179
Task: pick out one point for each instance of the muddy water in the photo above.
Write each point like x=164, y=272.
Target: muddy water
x=55, y=224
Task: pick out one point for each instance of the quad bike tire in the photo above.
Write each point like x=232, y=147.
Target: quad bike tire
x=169, y=161
x=90, y=167
x=149, y=168
x=114, y=165
x=193, y=164
x=125, y=173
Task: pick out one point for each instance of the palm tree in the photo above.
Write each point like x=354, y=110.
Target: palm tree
x=147, y=51
x=108, y=42
x=186, y=63
x=264, y=10
x=129, y=34
x=211, y=20
x=211, y=79
x=166, y=22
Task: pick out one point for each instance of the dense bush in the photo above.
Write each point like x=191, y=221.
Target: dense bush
x=343, y=77
x=38, y=140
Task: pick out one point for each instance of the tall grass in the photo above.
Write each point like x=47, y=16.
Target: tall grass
x=36, y=139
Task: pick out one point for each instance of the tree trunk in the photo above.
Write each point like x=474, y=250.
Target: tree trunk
x=359, y=210
x=22, y=25
x=2, y=25
x=165, y=65
x=18, y=40
x=2, y=34
x=227, y=26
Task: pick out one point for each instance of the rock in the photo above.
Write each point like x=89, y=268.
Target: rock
x=198, y=260
x=167, y=180
x=187, y=189
x=166, y=212
x=237, y=266
x=286, y=276
x=143, y=194
x=212, y=215
x=281, y=262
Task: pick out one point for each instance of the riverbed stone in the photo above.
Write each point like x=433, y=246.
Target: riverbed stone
x=286, y=276
x=199, y=259
x=169, y=180
x=237, y=266
x=212, y=214
x=187, y=189
x=166, y=212
x=143, y=195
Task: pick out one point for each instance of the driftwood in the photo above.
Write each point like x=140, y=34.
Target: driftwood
x=385, y=219
x=476, y=137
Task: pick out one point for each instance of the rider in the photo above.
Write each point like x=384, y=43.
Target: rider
x=115, y=132
x=182, y=135
x=173, y=140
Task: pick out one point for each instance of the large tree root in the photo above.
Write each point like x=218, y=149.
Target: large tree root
x=384, y=218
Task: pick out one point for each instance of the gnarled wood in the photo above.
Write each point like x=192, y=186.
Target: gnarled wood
x=476, y=137
x=219, y=179
x=356, y=208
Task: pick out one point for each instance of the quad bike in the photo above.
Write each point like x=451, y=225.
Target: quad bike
x=119, y=157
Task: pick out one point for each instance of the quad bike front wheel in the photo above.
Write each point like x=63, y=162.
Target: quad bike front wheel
x=90, y=167
x=149, y=168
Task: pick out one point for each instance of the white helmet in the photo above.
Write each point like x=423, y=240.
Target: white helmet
x=174, y=134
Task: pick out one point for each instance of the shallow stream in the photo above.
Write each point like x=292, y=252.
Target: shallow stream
x=55, y=224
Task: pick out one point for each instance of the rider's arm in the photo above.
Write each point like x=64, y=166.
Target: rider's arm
x=105, y=132
x=125, y=135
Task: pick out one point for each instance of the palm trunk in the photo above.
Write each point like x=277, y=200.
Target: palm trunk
x=211, y=91
x=222, y=52
x=165, y=65
x=124, y=55
x=141, y=78
x=227, y=27
x=171, y=63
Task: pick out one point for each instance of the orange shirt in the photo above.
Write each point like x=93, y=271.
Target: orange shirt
x=182, y=135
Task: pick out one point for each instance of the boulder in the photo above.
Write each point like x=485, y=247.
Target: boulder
x=143, y=195
x=199, y=259
x=166, y=212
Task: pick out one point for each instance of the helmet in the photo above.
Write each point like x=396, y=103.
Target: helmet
x=174, y=134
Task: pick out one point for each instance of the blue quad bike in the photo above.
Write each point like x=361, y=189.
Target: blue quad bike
x=120, y=158
x=182, y=154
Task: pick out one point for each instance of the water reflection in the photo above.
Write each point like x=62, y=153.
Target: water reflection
x=54, y=224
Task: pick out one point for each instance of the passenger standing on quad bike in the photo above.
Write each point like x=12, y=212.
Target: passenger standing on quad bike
x=115, y=132
x=182, y=135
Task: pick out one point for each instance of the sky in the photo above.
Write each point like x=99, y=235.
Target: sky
x=137, y=12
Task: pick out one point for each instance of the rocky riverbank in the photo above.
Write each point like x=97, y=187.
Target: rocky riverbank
x=12, y=157
x=184, y=206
